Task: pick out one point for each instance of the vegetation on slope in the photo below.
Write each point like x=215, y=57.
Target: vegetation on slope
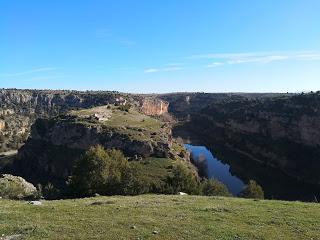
x=161, y=217
x=129, y=122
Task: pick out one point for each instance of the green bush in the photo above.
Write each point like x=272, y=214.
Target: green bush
x=252, y=190
x=50, y=192
x=214, y=188
x=182, y=179
x=135, y=182
x=124, y=108
x=99, y=171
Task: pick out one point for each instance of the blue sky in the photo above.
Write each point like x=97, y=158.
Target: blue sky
x=161, y=45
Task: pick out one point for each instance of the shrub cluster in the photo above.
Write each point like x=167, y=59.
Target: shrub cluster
x=252, y=190
x=108, y=172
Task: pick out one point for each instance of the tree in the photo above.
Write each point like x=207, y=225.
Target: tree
x=213, y=187
x=98, y=171
x=252, y=190
x=182, y=179
x=135, y=182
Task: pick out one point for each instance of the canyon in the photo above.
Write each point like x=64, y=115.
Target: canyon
x=280, y=131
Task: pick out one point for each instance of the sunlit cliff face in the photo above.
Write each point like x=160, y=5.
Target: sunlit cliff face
x=154, y=106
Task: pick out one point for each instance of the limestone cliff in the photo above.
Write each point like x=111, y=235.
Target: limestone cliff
x=2, y=125
x=154, y=106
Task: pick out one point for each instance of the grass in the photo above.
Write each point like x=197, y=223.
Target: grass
x=154, y=172
x=134, y=124
x=173, y=217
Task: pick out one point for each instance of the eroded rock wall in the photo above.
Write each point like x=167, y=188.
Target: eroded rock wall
x=154, y=106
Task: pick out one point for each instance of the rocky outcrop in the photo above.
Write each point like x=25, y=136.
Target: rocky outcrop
x=154, y=106
x=16, y=187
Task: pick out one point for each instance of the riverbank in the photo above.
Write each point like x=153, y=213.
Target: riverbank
x=160, y=217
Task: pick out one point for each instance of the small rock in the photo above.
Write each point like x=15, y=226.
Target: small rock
x=13, y=237
x=133, y=227
x=155, y=232
x=182, y=193
x=36, y=203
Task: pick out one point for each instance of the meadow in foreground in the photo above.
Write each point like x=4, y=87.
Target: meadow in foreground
x=160, y=217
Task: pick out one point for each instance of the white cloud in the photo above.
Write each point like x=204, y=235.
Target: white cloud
x=170, y=69
x=215, y=64
x=164, y=69
x=257, y=57
x=151, y=70
x=27, y=72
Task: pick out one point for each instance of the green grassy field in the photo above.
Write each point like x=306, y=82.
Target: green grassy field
x=134, y=124
x=173, y=217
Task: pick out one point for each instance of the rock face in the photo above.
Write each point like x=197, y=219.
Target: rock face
x=154, y=106
x=2, y=125
x=20, y=188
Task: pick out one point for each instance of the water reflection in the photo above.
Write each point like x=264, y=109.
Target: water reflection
x=213, y=168
x=234, y=170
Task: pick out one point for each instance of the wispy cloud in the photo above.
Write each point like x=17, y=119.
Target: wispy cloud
x=214, y=64
x=164, y=69
x=256, y=57
x=152, y=70
x=28, y=72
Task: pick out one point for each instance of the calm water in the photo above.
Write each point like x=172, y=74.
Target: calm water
x=215, y=168
x=235, y=170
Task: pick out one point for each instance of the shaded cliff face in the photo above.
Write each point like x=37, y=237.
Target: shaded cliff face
x=181, y=105
x=54, y=145
x=282, y=132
